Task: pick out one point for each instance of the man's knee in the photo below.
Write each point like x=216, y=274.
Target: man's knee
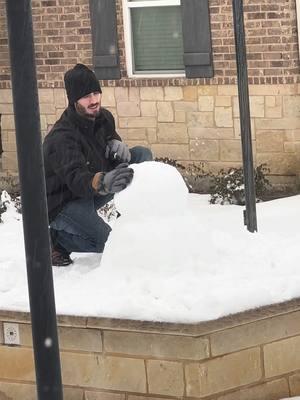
x=140, y=154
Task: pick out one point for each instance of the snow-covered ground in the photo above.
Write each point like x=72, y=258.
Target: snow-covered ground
x=170, y=257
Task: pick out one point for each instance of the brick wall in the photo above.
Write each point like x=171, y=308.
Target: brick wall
x=250, y=356
x=63, y=38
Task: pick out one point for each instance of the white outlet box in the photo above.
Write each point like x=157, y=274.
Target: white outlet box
x=11, y=333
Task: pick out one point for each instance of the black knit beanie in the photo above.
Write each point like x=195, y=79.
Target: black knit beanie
x=80, y=81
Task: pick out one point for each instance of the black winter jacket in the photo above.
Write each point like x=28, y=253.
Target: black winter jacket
x=74, y=150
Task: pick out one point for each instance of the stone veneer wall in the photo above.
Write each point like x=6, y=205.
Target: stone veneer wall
x=188, y=123
x=251, y=356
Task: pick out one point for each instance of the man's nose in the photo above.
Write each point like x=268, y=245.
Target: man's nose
x=94, y=98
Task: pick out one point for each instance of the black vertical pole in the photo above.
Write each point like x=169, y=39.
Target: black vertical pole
x=33, y=196
x=242, y=73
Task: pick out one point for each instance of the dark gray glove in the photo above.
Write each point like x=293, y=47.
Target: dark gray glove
x=116, y=180
x=116, y=150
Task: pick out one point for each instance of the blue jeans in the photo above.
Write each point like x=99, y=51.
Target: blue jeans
x=78, y=227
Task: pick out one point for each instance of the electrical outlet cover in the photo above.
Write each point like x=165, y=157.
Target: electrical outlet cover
x=11, y=333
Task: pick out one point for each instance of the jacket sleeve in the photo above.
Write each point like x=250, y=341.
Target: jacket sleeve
x=68, y=163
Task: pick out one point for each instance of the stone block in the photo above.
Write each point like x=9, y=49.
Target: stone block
x=282, y=357
x=165, y=111
x=211, y=133
x=237, y=128
x=47, y=108
x=165, y=378
x=7, y=122
x=20, y=391
x=137, y=134
x=289, y=147
x=204, y=150
x=9, y=161
x=80, y=339
x=128, y=109
x=227, y=90
x=270, y=140
x=291, y=106
x=223, y=101
x=261, y=90
x=206, y=103
x=60, y=98
x=174, y=151
x=273, y=107
x=230, y=150
x=294, y=382
x=257, y=106
x=108, y=97
x=152, y=135
x=279, y=163
x=152, y=93
x=17, y=391
x=190, y=93
x=6, y=108
x=172, y=133
x=200, y=119
x=279, y=123
x=207, y=90
x=154, y=345
x=121, y=94
x=51, y=119
x=180, y=116
x=46, y=96
x=255, y=333
x=173, y=93
x=6, y=96
x=185, y=106
x=1, y=333
x=9, y=146
x=224, y=373
x=148, y=109
x=137, y=122
x=134, y=94
x=273, y=390
x=89, y=395
x=223, y=117
x=16, y=363
x=111, y=373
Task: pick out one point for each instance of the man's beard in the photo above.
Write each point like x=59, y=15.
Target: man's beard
x=82, y=111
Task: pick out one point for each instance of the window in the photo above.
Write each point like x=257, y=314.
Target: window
x=162, y=38
x=154, y=43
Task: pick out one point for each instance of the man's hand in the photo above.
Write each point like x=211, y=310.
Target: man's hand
x=114, y=181
x=116, y=150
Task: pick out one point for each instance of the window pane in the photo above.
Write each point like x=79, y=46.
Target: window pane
x=157, y=39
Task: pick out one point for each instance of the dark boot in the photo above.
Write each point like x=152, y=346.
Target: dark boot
x=60, y=257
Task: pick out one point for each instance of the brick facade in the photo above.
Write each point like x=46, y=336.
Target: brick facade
x=192, y=120
x=63, y=37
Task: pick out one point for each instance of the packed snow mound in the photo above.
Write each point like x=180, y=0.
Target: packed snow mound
x=157, y=189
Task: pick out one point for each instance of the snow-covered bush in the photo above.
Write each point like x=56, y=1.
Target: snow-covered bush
x=7, y=201
x=228, y=186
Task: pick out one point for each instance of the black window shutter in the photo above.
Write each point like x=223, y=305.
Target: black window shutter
x=105, y=40
x=197, y=56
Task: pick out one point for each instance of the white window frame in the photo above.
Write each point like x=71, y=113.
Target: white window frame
x=127, y=5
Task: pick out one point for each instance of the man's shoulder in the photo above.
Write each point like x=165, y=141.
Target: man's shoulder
x=105, y=113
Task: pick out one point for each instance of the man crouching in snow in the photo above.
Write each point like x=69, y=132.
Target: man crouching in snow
x=85, y=164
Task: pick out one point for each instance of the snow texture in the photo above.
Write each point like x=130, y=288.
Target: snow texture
x=171, y=256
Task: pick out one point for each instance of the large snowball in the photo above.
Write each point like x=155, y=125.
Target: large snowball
x=156, y=189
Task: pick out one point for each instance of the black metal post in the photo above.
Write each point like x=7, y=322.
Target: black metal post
x=33, y=197
x=242, y=73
